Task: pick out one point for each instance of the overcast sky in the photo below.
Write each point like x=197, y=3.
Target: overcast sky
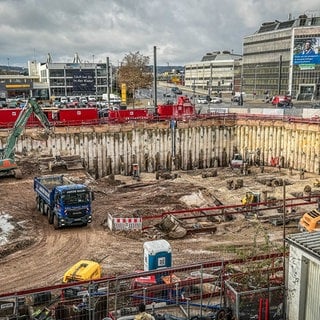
x=181, y=30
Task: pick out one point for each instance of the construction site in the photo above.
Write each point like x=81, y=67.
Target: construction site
x=221, y=192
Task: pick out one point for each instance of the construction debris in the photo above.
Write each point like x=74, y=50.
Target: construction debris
x=209, y=173
x=172, y=227
x=54, y=164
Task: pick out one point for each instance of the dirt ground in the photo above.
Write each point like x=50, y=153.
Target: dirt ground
x=33, y=254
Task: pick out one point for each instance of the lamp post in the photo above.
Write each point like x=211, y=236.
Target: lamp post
x=194, y=91
x=210, y=82
x=168, y=77
x=280, y=74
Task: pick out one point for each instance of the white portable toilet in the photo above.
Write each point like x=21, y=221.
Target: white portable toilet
x=157, y=254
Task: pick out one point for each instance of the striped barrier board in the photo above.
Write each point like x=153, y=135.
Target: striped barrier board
x=124, y=223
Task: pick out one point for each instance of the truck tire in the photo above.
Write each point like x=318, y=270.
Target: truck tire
x=45, y=209
x=55, y=222
x=42, y=207
x=50, y=217
x=38, y=200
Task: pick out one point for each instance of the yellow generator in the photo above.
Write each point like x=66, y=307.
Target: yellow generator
x=250, y=197
x=82, y=271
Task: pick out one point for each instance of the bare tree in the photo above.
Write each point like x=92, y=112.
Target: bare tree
x=135, y=73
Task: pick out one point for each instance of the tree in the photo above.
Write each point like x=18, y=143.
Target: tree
x=135, y=73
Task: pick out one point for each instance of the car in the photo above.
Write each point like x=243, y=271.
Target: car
x=282, y=101
x=64, y=100
x=216, y=100
x=201, y=100
x=56, y=104
x=176, y=90
x=104, y=112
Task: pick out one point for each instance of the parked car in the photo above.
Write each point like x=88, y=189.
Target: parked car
x=64, y=100
x=216, y=100
x=176, y=90
x=104, y=112
x=282, y=101
x=202, y=100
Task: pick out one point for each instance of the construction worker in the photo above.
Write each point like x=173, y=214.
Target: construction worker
x=143, y=315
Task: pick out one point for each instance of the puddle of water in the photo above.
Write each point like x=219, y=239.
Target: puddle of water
x=6, y=227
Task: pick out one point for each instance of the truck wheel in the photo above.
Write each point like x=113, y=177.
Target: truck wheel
x=42, y=207
x=50, y=217
x=38, y=200
x=55, y=222
x=221, y=315
x=45, y=209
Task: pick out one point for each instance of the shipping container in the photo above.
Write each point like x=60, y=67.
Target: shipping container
x=129, y=114
x=77, y=116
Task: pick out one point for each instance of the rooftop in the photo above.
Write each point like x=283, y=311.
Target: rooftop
x=309, y=242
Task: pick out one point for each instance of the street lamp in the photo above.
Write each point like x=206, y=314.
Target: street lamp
x=168, y=77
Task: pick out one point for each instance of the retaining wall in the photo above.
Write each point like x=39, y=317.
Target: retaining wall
x=107, y=149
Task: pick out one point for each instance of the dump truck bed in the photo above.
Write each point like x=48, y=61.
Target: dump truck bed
x=51, y=181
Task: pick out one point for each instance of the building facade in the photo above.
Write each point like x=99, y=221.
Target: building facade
x=70, y=79
x=218, y=72
x=15, y=85
x=274, y=61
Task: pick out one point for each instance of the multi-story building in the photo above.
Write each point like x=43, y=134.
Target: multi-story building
x=217, y=72
x=274, y=61
x=17, y=85
x=70, y=79
x=47, y=79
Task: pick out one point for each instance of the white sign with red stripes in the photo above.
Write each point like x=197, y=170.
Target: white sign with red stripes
x=124, y=223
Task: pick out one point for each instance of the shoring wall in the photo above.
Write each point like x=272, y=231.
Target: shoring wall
x=107, y=149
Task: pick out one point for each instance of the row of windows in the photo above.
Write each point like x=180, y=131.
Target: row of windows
x=70, y=73
x=70, y=82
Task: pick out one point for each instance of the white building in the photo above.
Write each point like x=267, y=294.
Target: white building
x=217, y=72
x=303, y=294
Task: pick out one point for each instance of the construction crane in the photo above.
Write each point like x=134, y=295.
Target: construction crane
x=8, y=165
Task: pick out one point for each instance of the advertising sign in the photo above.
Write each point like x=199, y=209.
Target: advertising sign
x=306, y=52
x=83, y=81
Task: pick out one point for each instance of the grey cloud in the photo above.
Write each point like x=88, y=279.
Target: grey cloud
x=183, y=31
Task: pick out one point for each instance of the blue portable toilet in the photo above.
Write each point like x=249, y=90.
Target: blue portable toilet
x=157, y=255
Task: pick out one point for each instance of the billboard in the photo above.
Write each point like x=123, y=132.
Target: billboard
x=83, y=81
x=306, y=52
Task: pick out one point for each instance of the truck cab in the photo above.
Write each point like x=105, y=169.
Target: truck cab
x=64, y=203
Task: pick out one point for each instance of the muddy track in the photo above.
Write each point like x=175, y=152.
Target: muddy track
x=40, y=255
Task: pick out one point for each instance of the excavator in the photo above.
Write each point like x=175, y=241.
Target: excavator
x=8, y=165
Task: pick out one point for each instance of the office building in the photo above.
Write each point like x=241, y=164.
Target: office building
x=274, y=61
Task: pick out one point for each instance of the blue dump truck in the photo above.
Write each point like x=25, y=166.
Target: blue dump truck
x=64, y=202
